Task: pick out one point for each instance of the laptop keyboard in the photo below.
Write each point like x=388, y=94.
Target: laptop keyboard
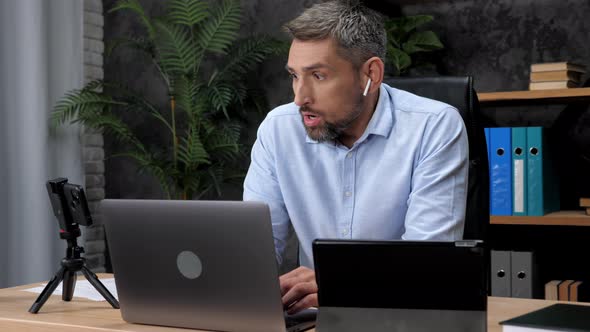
x=304, y=320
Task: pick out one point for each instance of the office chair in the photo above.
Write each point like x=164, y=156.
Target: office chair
x=459, y=92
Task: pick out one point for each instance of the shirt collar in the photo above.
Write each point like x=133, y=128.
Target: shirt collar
x=381, y=122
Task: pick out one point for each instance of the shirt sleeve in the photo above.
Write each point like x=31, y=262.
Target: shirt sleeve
x=261, y=184
x=436, y=205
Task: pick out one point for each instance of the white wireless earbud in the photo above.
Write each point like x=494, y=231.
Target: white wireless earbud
x=367, y=87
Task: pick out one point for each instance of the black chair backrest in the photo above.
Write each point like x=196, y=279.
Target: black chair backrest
x=459, y=92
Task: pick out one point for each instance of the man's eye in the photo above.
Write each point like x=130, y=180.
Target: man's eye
x=293, y=76
x=319, y=76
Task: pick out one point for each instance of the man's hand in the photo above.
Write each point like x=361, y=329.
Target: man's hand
x=299, y=290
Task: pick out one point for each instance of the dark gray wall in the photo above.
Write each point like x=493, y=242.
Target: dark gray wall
x=493, y=40
x=496, y=41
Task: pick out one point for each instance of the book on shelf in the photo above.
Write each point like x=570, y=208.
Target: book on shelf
x=557, y=75
x=551, y=290
x=552, y=85
x=542, y=180
x=574, y=290
x=579, y=291
x=585, y=202
x=556, y=317
x=563, y=290
x=500, y=171
x=553, y=66
x=588, y=211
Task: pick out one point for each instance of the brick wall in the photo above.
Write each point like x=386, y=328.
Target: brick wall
x=92, y=141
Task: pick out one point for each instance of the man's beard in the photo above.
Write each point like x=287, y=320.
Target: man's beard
x=330, y=131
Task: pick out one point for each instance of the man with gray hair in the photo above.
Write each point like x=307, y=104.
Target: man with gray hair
x=351, y=157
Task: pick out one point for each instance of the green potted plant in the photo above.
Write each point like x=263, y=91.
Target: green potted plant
x=205, y=101
x=406, y=42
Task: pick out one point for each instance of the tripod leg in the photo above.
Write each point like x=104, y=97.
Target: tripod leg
x=93, y=279
x=68, y=285
x=48, y=290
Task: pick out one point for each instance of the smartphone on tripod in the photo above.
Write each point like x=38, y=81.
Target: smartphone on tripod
x=71, y=210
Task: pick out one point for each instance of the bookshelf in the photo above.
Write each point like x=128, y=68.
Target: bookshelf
x=560, y=218
x=558, y=237
x=561, y=96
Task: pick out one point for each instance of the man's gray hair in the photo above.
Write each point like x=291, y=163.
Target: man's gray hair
x=358, y=30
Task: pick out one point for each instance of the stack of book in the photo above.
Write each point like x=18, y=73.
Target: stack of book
x=555, y=75
x=585, y=203
x=567, y=290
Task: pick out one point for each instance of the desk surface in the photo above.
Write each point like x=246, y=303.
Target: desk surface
x=85, y=315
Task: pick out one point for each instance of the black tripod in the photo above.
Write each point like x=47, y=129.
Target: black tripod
x=71, y=264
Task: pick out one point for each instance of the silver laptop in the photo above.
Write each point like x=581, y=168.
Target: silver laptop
x=207, y=265
x=403, y=286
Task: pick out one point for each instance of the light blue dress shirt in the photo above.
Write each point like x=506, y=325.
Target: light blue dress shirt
x=404, y=178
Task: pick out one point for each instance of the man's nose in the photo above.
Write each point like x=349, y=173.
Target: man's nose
x=302, y=94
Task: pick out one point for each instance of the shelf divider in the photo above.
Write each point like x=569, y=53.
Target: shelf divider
x=535, y=96
x=560, y=218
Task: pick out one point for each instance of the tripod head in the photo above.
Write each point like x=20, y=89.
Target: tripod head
x=69, y=206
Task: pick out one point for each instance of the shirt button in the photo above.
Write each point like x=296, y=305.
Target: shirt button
x=348, y=194
x=349, y=155
x=344, y=231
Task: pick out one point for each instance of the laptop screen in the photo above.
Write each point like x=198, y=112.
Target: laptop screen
x=400, y=274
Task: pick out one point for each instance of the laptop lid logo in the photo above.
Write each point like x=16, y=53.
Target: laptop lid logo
x=189, y=264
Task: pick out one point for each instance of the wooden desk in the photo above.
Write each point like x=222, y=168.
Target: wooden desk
x=85, y=315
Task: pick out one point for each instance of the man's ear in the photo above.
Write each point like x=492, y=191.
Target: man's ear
x=373, y=69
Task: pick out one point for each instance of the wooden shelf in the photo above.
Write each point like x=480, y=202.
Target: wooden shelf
x=535, y=96
x=561, y=218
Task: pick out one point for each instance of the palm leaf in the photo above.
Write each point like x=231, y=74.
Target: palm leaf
x=95, y=85
x=77, y=102
x=191, y=183
x=204, y=186
x=220, y=31
x=134, y=6
x=136, y=102
x=222, y=143
x=240, y=92
x=110, y=123
x=208, y=126
x=177, y=51
x=221, y=96
x=234, y=177
x=192, y=152
x=247, y=54
x=187, y=12
x=185, y=91
x=131, y=100
x=215, y=177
